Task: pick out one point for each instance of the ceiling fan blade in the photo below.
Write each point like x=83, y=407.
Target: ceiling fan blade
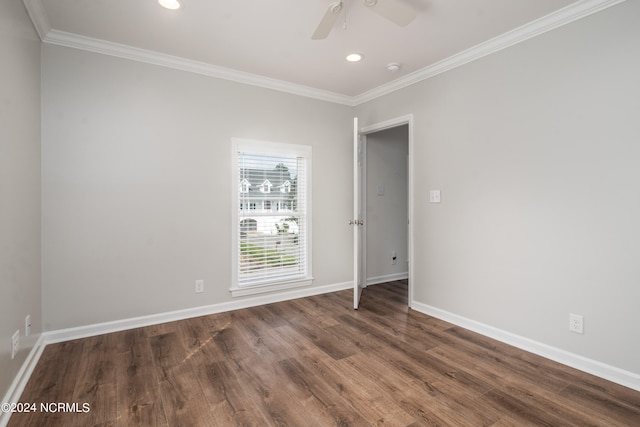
x=328, y=20
x=392, y=10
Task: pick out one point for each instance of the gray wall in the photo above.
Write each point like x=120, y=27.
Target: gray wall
x=536, y=151
x=386, y=221
x=136, y=164
x=19, y=185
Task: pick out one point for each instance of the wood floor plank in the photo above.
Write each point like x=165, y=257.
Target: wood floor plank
x=324, y=340
x=497, y=364
x=46, y=386
x=369, y=396
x=562, y=408
x=524, y=410
x=311, y=309
x=316, y=362
x=139, y=401
x=624, y=412
x=234, y=406
x=326, y=389
x=96, y=384
x=447, y=398
x=181, y=396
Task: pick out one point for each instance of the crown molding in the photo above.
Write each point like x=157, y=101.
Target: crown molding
x=564, y=16
x=38, y=16
x=62, y=38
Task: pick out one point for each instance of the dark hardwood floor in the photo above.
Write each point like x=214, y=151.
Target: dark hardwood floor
x=315, y=362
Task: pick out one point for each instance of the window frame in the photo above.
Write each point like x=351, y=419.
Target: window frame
x=269, y=148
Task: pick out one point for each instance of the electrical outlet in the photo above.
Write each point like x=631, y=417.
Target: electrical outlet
x=15, y=341
x=199, y=286
x=27, y=325
x=576, y=323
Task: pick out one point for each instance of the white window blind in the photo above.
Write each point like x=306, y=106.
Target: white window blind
x=271, y=213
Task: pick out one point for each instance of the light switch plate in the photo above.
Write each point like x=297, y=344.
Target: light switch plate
x=434, y=196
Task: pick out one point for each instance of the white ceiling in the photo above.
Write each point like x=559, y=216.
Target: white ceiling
x=272, y=38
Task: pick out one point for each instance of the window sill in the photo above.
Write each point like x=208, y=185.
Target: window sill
x=270, y=287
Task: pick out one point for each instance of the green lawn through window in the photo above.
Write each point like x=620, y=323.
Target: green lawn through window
x=258, y=255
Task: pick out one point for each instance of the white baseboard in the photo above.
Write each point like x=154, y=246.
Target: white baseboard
x=387, y=278
x=611, y=373
x=61, y=335
x=20, y=381
x=51, y=337
x=599, y=369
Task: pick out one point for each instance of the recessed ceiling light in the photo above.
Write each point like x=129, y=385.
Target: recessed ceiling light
x=355, y=57
x=170, y=4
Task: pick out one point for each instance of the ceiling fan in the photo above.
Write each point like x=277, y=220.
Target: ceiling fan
x=392, y=10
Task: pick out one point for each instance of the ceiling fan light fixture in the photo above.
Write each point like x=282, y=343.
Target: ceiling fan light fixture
x=170, y=4
x=355, y=57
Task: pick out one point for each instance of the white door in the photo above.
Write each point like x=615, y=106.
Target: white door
x=356, y=222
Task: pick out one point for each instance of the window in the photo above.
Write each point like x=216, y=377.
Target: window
x=244, y=186
x=271, y=246
x=266, y=186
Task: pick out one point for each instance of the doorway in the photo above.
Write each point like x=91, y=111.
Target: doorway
x=387, y=202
